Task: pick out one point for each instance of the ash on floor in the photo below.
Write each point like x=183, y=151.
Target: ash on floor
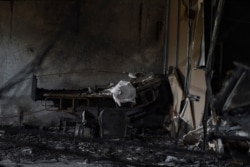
x=140, y=149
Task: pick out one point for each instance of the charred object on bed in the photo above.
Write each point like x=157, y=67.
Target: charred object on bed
x=101, y=111
x=232, y=106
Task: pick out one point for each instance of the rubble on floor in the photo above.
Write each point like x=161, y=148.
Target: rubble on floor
x=227, y=129
x=142, y=148
x=131, y=133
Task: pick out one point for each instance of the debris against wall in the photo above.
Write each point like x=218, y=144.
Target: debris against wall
x=71, y=43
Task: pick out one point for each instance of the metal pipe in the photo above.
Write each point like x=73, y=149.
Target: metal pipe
x=165, y=65
x=214, y=36
x=177, y=34
x=209, y=93
x=188, y=65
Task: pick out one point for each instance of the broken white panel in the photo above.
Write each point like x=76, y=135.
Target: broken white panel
x=198, y=87
x=178, y=94
x=197, y=78
x=186, y=114
x=124, y=92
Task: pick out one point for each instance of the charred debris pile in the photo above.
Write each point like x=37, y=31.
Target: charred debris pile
x=112, y=110
x=118, y=125
x=134, y=122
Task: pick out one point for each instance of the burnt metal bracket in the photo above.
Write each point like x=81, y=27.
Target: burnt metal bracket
x=193, y=97
x=209, y=68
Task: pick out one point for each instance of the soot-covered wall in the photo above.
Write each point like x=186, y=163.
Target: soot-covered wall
x=74, y=44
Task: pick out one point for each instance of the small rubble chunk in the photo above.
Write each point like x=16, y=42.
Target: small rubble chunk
x=27, y=151
x=124, y=92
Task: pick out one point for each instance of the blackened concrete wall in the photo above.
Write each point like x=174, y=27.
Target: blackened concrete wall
x=75, y=43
